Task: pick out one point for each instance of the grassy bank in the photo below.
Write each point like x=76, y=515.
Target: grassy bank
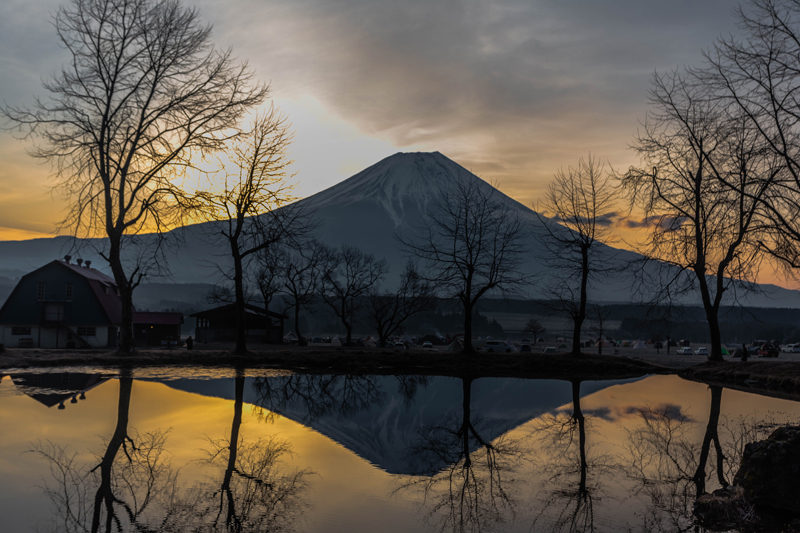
x=772, y=378
x=352, y=361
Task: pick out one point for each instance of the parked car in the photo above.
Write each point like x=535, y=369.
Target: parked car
x=492, y=346
x=684, y=350
x=525, y=347
x=701, y=350
x=550, y=349
x=399, y=346
x=768, y=350
x=427, y=346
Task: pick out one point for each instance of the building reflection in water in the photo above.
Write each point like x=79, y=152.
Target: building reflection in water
x=132, y=485
x=471, y=454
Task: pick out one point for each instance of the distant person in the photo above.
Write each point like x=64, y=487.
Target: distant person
x=658, y=348
x=189, y=342
x=668, y=343
x=744, y=353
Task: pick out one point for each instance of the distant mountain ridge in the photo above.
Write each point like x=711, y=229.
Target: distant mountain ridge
x=394, y=197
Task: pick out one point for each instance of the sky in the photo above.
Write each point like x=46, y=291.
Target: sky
x=512, y=90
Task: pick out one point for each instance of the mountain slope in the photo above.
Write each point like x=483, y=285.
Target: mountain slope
x=394, y=197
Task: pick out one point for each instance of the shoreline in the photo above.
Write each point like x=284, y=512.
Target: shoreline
x=351, y=361
x=773, y=378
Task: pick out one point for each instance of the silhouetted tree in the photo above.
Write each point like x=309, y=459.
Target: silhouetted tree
x=470, y=492
x=472, y=246
x=247, y=206
x=390, y=311
x=142, y=94
x=578, y=199
x=703, y=177
x=255, y=494
x=757, y=73
x=124, y=490
x=302, y=269
x=570, y=504
x=535, y=328
x=349, y=276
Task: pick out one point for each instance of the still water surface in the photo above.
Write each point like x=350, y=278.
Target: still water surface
x=227, y=450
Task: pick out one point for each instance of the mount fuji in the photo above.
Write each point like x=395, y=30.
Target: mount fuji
x=370, y=210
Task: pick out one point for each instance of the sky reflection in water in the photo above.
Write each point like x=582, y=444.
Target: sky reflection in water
x=253, y=451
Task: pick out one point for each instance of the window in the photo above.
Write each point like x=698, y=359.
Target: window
x=41, y=288
x=68, y=291
x=53, y=312
x=87, y=331
x=20, y=330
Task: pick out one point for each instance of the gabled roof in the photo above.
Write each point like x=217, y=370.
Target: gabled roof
x=103, y=287
x=52, y=389
x=229, y=308
x=88, y=273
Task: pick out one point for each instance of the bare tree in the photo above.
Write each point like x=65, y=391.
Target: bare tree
x=471, y=247
x=465, y=478
x=578, y=199
x=128, y=490
x=348, y=279
x=569, y=505
x=703, y=177
x=302, y=270
x=535, y=328
x=267, y=274
x=758, y=73
x=255, y=494
x=390, y=311
x=248, y=204
x=143, y=95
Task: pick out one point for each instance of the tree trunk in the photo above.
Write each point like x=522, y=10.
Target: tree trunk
x=712, y=434
x=233, y=448
x=577, y=415
x=239, y=303
x=468, y=348
x=712, y=317
x=580, y=315
x=297, y=323
x=105, y=495
x=349, y=333
x=126, y=341
x=714, y=330
x=466, y=403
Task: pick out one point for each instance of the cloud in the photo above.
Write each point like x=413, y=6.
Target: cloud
x=663, y=222
x=511, y=89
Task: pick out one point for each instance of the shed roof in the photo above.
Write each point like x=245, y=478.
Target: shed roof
x=229, y=308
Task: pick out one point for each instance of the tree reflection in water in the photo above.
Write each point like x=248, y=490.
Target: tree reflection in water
x=470, y=493
x=672, y=469
x=254, y=494
x=562, y=439
x=318, y=395
x=139, y=490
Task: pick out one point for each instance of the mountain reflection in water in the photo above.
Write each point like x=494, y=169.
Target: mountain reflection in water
x=259, y=452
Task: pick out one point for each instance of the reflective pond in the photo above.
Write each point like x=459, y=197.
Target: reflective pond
x=253, y=450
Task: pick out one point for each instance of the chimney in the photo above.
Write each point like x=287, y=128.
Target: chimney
x=79, y=261
x=88, y=263
x=67, y=258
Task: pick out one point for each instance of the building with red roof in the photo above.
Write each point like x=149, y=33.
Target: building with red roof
x=72, y=305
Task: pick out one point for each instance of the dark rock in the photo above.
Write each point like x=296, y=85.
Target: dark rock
x=770, y=471
x=723, y=509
